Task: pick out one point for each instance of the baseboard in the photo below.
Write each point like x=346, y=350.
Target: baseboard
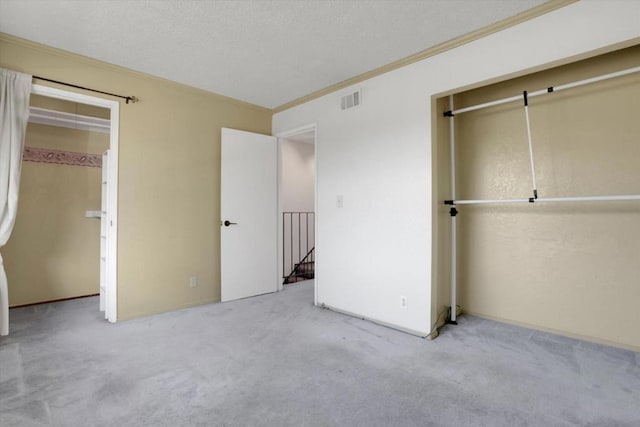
x=53, y=300
x=588, y=338
x=163, y=310
x=409, y=331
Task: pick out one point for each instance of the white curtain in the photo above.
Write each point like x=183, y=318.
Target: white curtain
x=15, y=89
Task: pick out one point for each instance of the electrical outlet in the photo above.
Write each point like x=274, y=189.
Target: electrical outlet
x=403, y=302
x=193, y=281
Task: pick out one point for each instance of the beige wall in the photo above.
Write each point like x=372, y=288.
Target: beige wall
x=571, y=268
x=169, y=177
x=54, y=250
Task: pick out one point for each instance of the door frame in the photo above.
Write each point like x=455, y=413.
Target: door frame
x=112, y=202
x=280, y=136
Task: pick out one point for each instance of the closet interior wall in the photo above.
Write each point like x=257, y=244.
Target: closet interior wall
x=54, y=250
x=570, y=268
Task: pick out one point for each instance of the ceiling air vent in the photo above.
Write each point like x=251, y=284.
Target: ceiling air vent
x=351, y=100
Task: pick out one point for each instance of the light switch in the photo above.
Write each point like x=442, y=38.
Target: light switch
x=339, y=202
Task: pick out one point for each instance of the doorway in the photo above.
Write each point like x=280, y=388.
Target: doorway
x=297, y=188
x=106, y=210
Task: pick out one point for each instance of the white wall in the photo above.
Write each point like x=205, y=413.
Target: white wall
x=378, y=157
x=298, y=176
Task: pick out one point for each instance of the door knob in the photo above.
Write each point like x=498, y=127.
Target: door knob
x=228, y=223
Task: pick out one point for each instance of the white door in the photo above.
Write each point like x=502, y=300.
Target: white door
x=248, y=213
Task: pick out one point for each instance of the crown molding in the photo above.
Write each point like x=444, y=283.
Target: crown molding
x=527, y=15
x=118, y=69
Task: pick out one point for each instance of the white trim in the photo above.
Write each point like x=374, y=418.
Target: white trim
x=280, y=228
x=68, y=120
x=421, y=334
x=296, y=131
x=112, y=203
x=280, y=136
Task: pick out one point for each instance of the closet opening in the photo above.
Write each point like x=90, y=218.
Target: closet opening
x=64, y=242
x=537, y=200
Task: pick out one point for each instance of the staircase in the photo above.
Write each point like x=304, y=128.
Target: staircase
x=298, y=248
x=304, y=270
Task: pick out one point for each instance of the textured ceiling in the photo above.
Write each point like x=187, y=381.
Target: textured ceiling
x=260, y=51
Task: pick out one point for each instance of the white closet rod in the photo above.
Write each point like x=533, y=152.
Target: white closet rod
x=544, y=91
x=624, y=197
